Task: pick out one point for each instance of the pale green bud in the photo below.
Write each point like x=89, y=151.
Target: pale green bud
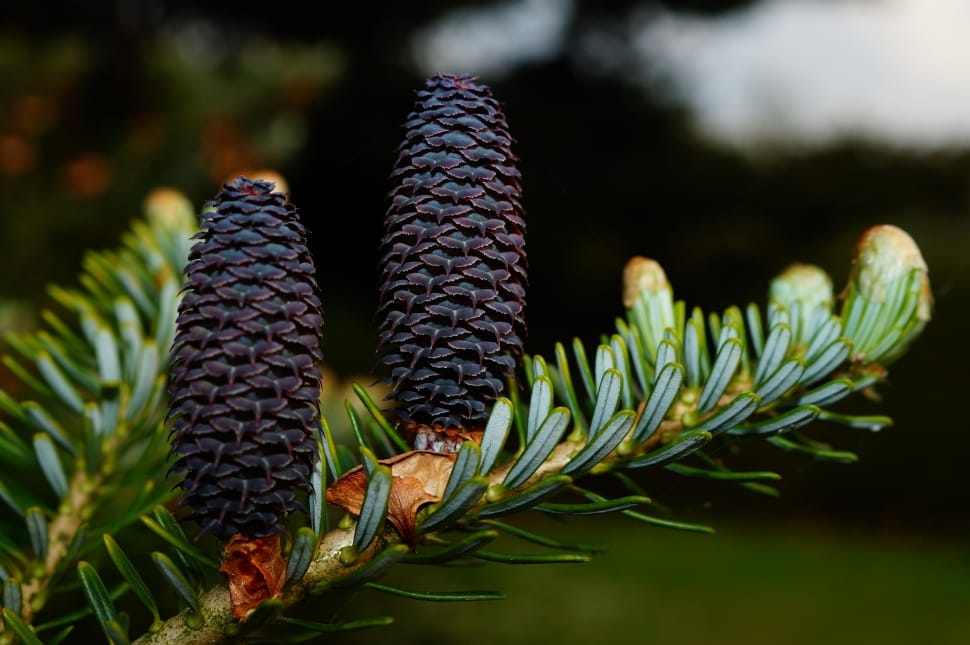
x=642, y=274
x=884, y=255
x=170, y=209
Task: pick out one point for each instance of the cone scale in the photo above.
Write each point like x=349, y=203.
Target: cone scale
x=452, y=264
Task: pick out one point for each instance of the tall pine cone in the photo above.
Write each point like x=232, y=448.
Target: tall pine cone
x=244, y=382
x=453, y=264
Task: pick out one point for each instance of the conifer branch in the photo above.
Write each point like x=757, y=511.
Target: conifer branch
x=335, y=558
x=654, y=392
x=679, y=433
x=98, y=385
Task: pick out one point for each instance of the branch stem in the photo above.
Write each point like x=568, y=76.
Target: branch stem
x=217, y=624
x=74, y=511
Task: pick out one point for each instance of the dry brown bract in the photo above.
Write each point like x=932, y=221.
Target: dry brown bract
x=256, y=571
x=418, y=477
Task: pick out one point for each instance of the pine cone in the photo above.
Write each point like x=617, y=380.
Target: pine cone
x=244, y=383
x=453, y=264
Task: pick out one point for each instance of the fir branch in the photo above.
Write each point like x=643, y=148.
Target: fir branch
x=336, y=560
x=98, y=393
x=657, y=390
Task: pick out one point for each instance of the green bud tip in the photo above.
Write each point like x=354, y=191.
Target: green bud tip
x=883, y=255
x=803, y=283
x=642, y=274
x=169, y=208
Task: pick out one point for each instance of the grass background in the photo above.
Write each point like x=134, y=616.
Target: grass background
x=795, y=583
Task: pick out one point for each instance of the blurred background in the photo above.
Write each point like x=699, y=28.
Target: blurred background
x=724, y=138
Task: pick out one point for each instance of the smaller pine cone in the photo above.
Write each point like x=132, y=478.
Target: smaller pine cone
x=453, y=263
x=244, y=382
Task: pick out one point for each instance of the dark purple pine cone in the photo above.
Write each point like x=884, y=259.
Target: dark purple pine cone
x=244, y=382
x=453, y=264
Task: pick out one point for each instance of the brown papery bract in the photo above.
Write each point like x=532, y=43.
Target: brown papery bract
x=418, y=477
x=256, y=571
